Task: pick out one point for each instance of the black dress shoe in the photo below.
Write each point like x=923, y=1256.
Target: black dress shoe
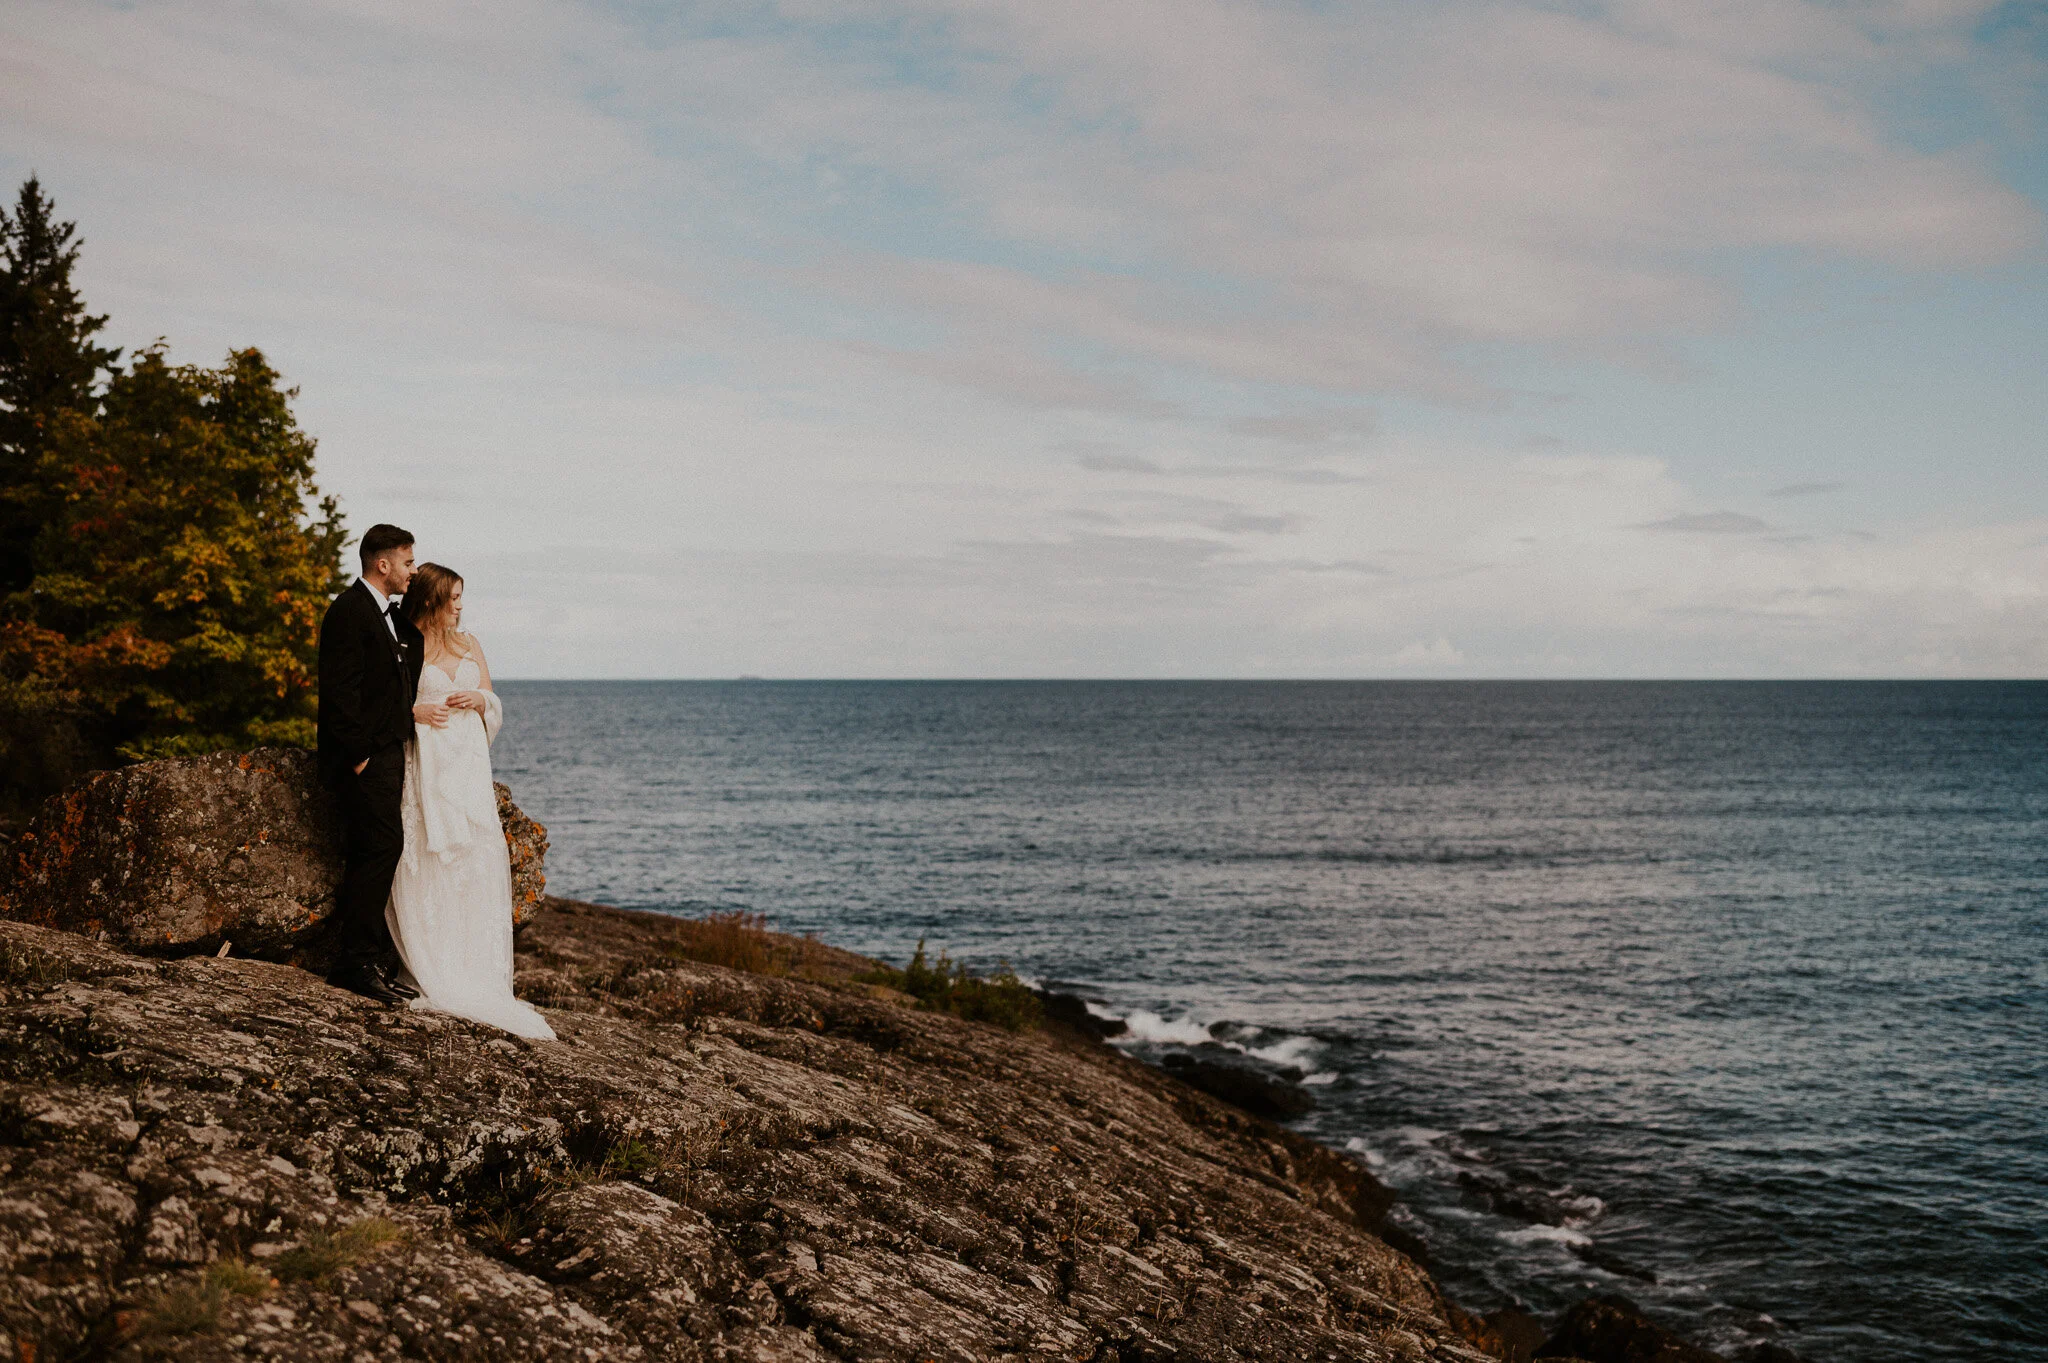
x=394, y=978
x=367, y=981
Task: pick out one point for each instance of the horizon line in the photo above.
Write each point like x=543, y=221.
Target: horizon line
x=751, y=679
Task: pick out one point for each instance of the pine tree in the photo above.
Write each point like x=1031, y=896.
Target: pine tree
x=48, y=364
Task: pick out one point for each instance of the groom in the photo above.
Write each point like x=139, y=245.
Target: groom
x=370, y=658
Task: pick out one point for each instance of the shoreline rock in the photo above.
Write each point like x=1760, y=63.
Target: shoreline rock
x=709, y=1165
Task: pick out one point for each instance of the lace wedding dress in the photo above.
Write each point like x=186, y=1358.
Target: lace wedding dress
x=451, y=902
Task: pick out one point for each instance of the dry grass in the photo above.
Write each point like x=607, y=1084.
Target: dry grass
x=507, y=1217
x=742, y=941
x=26, y=965
x=326, y=1253
x=191, y=1308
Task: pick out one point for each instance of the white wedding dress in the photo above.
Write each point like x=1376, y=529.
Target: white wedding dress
x=451, y=901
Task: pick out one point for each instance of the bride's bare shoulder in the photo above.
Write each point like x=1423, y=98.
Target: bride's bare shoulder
x=474, y=647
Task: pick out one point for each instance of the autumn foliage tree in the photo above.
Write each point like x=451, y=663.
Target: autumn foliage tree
x=179, y=556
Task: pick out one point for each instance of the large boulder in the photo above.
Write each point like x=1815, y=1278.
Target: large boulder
x=181, y=856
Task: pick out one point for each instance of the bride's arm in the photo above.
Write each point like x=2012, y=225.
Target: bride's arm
x=493, y=709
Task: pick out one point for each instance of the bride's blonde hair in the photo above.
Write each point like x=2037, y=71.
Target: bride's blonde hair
x=428, y=594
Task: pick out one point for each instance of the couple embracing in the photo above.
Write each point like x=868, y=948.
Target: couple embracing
x=407, y=715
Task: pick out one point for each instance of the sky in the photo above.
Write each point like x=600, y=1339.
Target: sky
x=1155, y=338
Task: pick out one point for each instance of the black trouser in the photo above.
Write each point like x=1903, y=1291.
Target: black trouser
x=374, y=840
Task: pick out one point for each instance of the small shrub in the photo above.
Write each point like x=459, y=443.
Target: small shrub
x=946, y=987
x=630, y=1157
x=191, y=1308
x=326, y=1253
x=626, y=1158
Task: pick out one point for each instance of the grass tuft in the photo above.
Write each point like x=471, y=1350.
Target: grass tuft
x=740, y=941
x=326, y=1253
x=194, y=1307
x=27, y=965
x=945, y=987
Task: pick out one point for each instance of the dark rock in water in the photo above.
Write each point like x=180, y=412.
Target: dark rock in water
x=214, y=1159
x=1072, y=1010
x=1770, y=1353
x=178, y=857
x=1614, y=1330
x=1256, y=1093
x=1520, y=1201
x=1619, y=1267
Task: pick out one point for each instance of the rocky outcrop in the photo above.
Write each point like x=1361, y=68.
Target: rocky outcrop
x=223, y=1158
x=1259, y=1094
x=1615, y=1330
x=186, y=855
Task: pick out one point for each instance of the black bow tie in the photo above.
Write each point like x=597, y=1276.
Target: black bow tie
x=391, y=608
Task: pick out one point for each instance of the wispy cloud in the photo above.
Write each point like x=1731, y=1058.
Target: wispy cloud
x=1307, y=428
x=928, y=335
x=1108, y=462
x=1710, y=523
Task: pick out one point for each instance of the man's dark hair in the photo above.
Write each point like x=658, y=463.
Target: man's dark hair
x=380, y=540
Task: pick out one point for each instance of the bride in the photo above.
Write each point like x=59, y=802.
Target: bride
x=451, y=901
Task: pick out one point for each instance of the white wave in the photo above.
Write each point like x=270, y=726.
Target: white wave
x=1584, y=1207
x=1556, y=1235
x=1149, y=1026
x=1357, y=1146
x=1320, y=1077
x=1293, y=1050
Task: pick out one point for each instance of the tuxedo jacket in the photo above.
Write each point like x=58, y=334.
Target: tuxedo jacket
x=367, y=682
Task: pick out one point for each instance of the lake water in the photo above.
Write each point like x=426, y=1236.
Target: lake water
x=1728, y=997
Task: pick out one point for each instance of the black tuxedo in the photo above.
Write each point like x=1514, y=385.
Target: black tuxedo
x=368, y=680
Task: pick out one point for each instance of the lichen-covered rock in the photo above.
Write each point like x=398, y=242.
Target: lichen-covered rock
x=708, y=1167
x=180, y=856
x=527, y=842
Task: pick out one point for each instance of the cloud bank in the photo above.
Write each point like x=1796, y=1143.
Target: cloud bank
x=1163, y=338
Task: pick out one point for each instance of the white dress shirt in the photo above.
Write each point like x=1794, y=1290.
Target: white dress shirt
x=384, y=604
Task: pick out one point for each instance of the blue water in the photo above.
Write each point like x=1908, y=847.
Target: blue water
x=1737, y=986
